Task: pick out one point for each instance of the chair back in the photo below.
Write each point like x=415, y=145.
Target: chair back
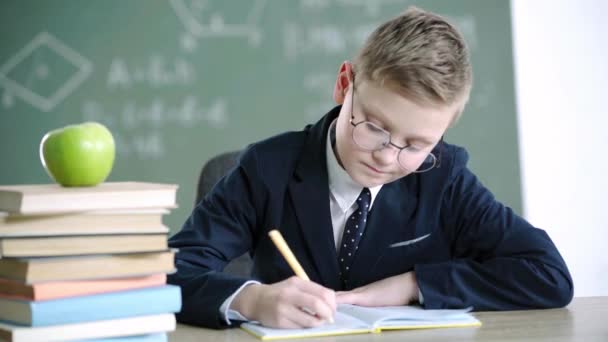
x=213, y=170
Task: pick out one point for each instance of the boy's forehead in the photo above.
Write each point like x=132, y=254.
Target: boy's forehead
x=386, y=101
x=400, y=112
x=386, y=89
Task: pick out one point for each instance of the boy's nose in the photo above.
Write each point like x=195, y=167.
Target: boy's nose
x=386, y=156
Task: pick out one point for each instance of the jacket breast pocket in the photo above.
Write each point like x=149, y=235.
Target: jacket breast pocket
x=401, y=256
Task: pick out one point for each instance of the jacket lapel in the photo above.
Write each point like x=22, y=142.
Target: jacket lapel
x=309, y=191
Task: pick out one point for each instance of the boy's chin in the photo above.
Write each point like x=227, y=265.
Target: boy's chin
x=368, y=182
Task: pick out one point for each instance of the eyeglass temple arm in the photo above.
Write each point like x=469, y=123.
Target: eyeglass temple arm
x=440, y=146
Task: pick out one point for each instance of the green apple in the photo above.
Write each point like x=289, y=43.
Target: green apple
x=78, y=155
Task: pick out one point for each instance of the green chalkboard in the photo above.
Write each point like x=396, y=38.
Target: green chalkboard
x=178, y=82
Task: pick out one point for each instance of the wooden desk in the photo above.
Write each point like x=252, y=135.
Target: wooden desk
x=585, y=319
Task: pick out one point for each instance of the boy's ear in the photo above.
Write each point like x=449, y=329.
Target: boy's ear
x=343, y=82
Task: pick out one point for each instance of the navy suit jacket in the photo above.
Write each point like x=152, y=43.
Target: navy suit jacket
x=479, y=253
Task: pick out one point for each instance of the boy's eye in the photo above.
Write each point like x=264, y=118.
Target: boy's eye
x=373, y=128
x=414, y=148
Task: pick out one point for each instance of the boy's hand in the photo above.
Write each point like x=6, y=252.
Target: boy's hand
x=397, y=290
x=281, y=305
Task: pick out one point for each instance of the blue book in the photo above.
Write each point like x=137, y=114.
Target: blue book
x=138, y=338
x=148, y=301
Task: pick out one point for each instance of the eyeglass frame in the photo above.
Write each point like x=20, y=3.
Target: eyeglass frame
x=437, y=163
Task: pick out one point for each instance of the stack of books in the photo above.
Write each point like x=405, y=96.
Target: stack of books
x=86, y=263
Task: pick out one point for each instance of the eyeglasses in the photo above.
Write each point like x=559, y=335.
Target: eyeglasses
x=371, y=137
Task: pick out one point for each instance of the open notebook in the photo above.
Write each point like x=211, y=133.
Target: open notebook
x=351, y=319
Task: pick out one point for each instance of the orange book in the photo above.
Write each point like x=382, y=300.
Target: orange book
x=62, y=289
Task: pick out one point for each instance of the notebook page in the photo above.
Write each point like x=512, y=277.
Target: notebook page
x=343, y=324
x=400, y=315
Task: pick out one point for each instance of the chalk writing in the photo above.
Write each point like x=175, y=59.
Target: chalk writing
x=156, y=71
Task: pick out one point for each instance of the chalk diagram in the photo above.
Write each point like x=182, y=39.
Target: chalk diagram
x=212, y=19
x=372, y=7
x=43, y=73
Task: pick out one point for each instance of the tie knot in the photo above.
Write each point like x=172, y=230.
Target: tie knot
x=365, y=197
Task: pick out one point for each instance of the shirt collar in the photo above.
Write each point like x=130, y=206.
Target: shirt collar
x=342, y=187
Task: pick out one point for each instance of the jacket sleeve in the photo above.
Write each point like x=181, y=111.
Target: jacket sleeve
x=499, y=261
x=220, y=228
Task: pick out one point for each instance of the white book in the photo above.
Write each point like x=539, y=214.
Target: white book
x=352, y=319
x=53, y=198
x=142, y=325
x=119, y=221
x=49, y=246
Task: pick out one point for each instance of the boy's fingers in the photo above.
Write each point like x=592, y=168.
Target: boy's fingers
x=302, y=319
x=286, y=322
x=313, y=305
x=314, y=289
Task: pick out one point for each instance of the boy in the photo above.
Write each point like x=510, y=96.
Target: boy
x=372, y=201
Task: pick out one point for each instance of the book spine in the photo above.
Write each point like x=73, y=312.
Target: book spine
x=150, y=301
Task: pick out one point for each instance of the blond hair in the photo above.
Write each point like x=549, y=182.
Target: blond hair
x=421, y=55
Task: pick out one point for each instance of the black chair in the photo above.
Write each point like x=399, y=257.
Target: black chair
x=213, y=170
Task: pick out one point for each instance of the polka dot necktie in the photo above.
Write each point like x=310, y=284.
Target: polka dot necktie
x=353, y=231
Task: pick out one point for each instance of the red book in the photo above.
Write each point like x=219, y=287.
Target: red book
x=62, y=289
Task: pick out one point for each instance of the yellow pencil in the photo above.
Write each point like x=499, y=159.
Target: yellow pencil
x=281, y=245
x=279, y=241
